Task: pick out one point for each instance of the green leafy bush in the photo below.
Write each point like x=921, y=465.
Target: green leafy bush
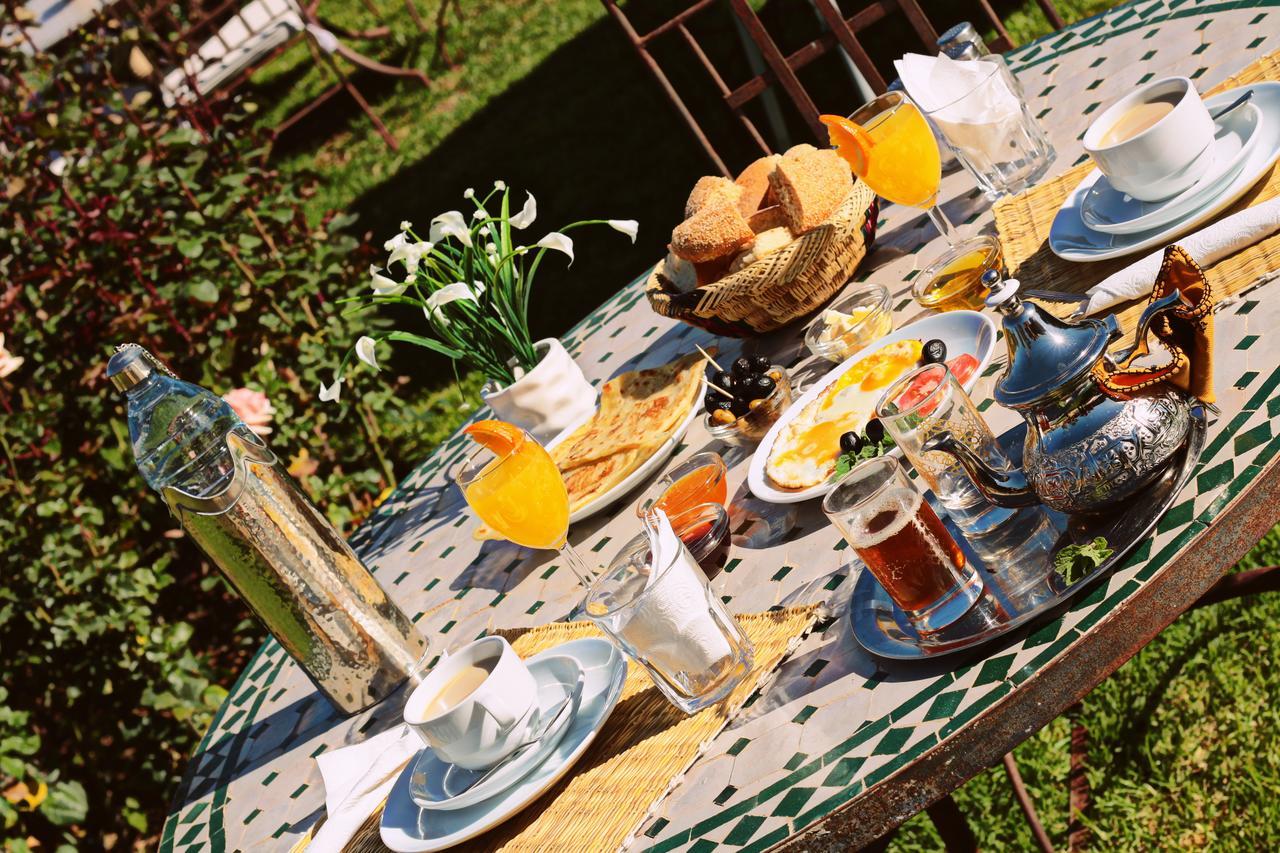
x=124, y=222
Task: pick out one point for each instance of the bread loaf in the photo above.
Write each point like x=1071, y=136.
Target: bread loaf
x=810, y=185
x=766, y=244
x=717, y=230
x=711, y=189
x=754, y=182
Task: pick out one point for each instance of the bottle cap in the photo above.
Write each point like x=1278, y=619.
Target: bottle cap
x=130, y=365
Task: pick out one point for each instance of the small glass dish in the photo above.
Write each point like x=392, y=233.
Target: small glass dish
x=953, y=280
x=871, y=300
x=701, y=479
x=747, y=430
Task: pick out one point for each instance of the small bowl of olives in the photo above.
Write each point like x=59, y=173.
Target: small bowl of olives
x=742, y=403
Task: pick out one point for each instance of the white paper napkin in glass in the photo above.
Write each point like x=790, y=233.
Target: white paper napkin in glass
x=975, y=109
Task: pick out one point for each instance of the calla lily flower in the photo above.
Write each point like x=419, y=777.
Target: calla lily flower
x=469, y=193
x=383, y=286
x=330, y=393
x=527, y=214
x=364, y=351
x=450, y=224
x=404, y=250
x=559, y=242
x=8, y=361
x=626, y=226
x=499, y=185
x=449, y=293
x=405, y=225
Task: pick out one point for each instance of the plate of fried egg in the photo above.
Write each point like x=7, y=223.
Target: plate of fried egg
x=797, y=457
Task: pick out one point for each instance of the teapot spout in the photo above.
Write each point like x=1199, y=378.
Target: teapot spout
x=1002, y=488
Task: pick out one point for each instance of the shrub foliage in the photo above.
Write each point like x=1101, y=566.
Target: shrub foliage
x=125, y=222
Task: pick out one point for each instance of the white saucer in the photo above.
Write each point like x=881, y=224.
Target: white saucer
x=962, y=332
x=437, y=784
x=1112, y=211
x=1072, y=240
x=406, y=828
x=655, y=460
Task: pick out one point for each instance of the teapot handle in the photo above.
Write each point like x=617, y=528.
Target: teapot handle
x=1167, y=302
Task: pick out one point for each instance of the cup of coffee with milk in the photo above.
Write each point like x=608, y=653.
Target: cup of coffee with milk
x=1154, y=142
x=476, y=706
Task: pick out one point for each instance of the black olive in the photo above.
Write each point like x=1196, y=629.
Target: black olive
x=874, y=431
x=713, y=400
x=762, y=386
x=761, y=363
x=726, y=405
x=850, y=442
x=724, y=379
x=740, y=407
x=742, y=367
x=935, y=352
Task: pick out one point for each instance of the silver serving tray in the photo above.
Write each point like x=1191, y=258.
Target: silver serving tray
x=1020, y=587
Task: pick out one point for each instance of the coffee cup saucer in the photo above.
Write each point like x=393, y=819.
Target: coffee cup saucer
x=1072, y=240
x=1113, y=211
x=438, y=785
x=408, y=828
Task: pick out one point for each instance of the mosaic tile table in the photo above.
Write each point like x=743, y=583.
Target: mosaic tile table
x=841, y=748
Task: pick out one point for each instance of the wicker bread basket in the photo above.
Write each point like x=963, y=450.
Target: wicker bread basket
x=789, y=284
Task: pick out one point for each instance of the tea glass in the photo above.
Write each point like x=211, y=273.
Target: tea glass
x=903, y=544
x=1005, y=152
x=667, y=619
x=927, y=401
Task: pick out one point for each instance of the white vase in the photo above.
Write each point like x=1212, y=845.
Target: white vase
x=546, y=400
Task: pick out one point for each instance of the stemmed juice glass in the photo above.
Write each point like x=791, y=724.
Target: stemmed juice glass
x=889, y=145
x=513, y=484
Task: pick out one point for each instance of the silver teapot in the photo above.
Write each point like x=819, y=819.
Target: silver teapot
x=1084, y=450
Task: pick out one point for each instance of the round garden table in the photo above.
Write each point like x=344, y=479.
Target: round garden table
x=840, y=748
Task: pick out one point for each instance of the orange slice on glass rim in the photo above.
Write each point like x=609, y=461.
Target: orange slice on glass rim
x=851, y=142
x=498, y=437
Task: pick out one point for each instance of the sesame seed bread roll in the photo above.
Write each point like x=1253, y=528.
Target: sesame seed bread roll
x=711, y=189
x=754, y=182
x=715, y=231
x=766, y=244
x=767, y=218
x=810, y=186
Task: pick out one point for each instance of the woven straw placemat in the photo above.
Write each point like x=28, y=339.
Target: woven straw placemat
x=1023, y=223
x=644, y=748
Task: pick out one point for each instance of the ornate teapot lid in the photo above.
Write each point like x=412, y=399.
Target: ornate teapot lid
x=1045, y=353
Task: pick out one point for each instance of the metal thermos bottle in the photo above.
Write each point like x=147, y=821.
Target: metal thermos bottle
x=235, y=499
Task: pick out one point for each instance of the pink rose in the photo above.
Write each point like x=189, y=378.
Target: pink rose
x=253, y=408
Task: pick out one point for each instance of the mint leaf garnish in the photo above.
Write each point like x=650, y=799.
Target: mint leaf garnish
x=1075, y=561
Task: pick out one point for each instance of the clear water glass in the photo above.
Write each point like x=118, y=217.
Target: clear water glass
x=668, y=620
x=1006, y=154
x=929, y=401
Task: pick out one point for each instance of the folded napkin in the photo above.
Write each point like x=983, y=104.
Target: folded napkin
x=1206, y=247
x=1185, y=330
x=357, y=779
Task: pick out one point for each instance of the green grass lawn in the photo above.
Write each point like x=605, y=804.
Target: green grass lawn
x=1184, y=740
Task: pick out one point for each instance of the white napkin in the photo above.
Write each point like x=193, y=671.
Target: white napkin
x=979, y=125
x=672, y=625
x=1207, y=246
x=357, y=779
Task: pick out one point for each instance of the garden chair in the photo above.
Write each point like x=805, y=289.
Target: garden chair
x=839, y=30
x=252, y=36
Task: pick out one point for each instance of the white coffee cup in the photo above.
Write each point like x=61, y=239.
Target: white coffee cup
x=478, y=727
x=1166, y=157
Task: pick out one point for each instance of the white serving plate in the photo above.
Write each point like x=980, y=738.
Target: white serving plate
x=962, y=332
x=646, y=468
x=406, y=828
x=1072, y=240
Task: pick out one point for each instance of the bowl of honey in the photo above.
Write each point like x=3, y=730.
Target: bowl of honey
x=953, y=280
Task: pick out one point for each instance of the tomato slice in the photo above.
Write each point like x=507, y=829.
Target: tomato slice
x=963, y=367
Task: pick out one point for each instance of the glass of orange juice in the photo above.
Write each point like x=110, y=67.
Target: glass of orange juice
x=513, y=484
x=889, y=145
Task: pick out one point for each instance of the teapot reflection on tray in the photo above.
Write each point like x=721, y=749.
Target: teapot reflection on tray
x=1085, y=450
